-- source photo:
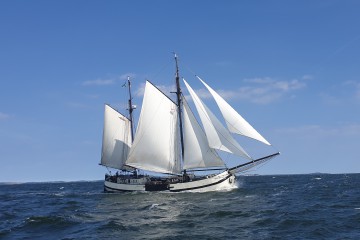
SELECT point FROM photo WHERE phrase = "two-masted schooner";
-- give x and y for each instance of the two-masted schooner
(170, 142)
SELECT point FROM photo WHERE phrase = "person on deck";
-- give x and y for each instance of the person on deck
(186, 177)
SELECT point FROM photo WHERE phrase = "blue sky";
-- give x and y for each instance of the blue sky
(291, 68)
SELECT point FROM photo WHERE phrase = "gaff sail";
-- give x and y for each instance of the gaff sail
(116, 139)
(155, 147)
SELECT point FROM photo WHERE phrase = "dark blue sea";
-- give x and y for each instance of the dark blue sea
(314, 206)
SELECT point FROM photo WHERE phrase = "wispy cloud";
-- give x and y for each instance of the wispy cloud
(126, 75)
(261, 90)
(99, 82)
(4, 116)
(356, 86)
(139, 92)
(346, 129)
(107, 81)
(347, 92)
(270, 84)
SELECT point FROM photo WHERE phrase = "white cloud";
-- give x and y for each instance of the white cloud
(270, 84)
(108, 81)
(330, 99)
(140, 91)
(99, 82)
(345, 93)
(264, 90)
(126, 75)
(4, 116)
(307, 77)
(356, 86)
(347, 129)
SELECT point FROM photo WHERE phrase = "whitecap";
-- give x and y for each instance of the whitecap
(249, 196)
(153, 205)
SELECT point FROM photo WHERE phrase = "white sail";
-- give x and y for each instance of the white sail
(197, 153)
(155, 147)
(116, 139)
(234, 121)
(218, 136)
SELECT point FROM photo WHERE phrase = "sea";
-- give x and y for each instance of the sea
(312, 206)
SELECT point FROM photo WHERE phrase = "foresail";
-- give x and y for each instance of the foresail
(234, 121)
(116, 139)
(197, 153)
(155, 147)
(218, 136)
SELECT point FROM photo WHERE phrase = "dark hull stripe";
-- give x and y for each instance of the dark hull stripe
(117, 190)
(208, 185)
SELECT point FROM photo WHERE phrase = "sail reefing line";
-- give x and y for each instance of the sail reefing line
(234, 121)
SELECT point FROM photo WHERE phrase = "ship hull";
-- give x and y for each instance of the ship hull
(214, 182)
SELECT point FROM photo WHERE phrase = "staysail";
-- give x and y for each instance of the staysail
(116, 139)
(197, 153)
(234, 121)
(155, 147)
(218, 136)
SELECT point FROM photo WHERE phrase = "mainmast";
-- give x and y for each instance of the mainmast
(178, 94)
(130, 109)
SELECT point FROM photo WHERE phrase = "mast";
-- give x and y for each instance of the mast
(131, 109)
(178, 94)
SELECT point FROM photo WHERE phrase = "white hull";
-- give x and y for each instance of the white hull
(215, 182)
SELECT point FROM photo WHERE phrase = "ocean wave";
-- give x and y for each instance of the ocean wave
(290, 207)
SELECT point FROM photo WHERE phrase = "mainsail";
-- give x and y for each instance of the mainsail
(235, 123)
(116, 139)
(197, 153)
(155, 147)
(218, 136)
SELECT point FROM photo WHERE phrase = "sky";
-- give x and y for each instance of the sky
(291, 68)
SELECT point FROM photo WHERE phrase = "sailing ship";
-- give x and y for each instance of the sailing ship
(170, 143)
